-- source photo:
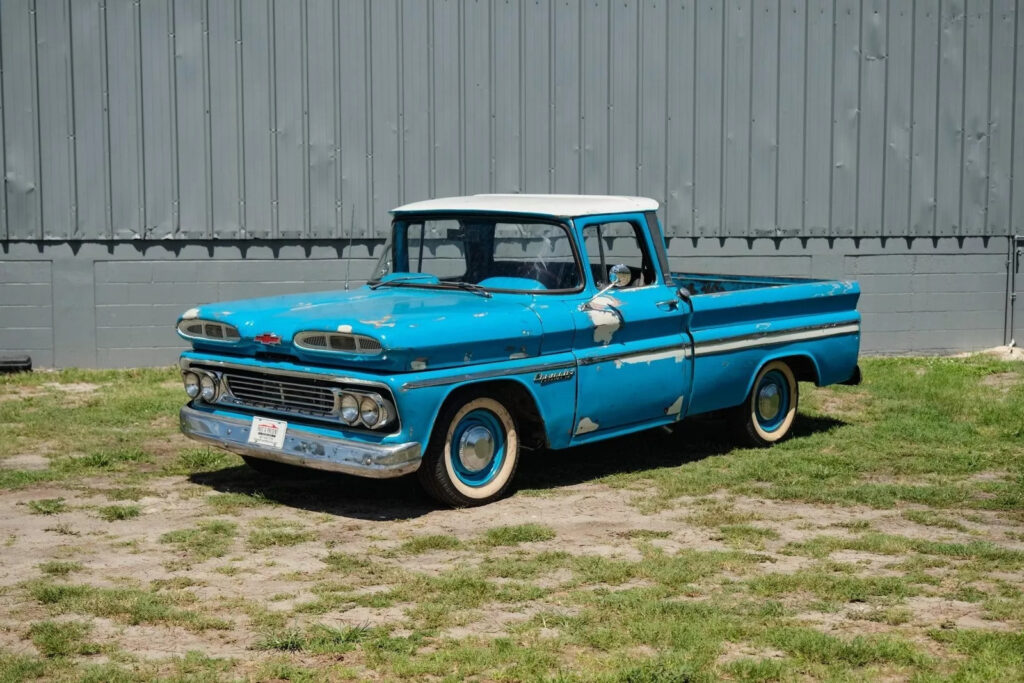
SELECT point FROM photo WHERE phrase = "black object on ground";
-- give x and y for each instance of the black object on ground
(15, 364)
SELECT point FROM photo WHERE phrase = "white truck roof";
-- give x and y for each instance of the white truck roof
(559, 205)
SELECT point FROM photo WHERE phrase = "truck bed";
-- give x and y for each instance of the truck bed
(705, 283)
(739, 322)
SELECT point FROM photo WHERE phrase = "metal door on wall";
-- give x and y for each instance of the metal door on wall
(1017, 291)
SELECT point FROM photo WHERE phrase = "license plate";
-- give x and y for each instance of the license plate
(267, 432)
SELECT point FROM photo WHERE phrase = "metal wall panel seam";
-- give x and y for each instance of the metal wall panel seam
(491, 96)
(521, 94)
(910, 171)
(240, 125)
(140, 119)
(885, 117)
(108, 179)
(693, 132)
(719, 229)
(368, 104)
(551, 96)
(4, 234)
(750, 122)
(935, 149)
(988, 120)
(272, 99)
(581, 145)
(860, 109)
(69, 83)
(963, 124)
(803, 165)
(832, 124)
(399, 88)
(339, 188)
(207, 121)
(34, 66)
(307, 229)
(778, 114)
(431, 103)
(461, 32)
(639, 95)
(172, 84)
(1011, 225)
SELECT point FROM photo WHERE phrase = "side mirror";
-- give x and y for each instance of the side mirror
(684, 294)
(621, 276)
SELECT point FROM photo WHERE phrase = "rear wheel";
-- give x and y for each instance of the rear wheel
(473, 452)
(767, 416)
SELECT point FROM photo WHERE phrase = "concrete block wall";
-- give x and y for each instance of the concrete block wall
(114, 305)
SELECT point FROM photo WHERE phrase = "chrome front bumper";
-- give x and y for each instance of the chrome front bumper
(304, 448)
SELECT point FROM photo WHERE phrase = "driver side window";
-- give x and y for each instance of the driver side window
(608, 244)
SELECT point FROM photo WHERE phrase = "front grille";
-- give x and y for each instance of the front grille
(264, 391)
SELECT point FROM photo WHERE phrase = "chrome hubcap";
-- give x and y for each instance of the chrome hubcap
(769, 401)
(476, 448)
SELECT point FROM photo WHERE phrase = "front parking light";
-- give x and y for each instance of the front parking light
(191, 381)
(208, 388)
(369, 412)
(349, 408)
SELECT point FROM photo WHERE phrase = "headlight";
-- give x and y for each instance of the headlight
(191, 381)
(369, 412)
(208, 388)
(349, 408)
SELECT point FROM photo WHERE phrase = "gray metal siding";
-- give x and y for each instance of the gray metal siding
(309, 119)
(115, 305)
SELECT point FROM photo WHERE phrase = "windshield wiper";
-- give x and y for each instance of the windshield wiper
(418, 280)
(470, 287)
(400, 281)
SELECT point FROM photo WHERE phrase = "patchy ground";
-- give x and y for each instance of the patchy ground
(886, 540)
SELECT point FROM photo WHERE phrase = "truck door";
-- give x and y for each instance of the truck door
(633, 348)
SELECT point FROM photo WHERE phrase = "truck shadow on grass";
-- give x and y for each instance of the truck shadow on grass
(387, 499)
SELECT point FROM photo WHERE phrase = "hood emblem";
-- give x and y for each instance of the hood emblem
(267, 338)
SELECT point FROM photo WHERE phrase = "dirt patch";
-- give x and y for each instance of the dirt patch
(737, 651)
(25, 461)
(844, 403)
(1002, 382)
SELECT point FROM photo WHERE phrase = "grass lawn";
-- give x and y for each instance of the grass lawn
(885, 540)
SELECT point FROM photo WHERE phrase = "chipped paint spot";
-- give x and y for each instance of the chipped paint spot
(585, 426)
(344, 328)
(190, 314)
(676, 407)
(386, 321)
(479, 315)
(468, 357)
(517, 355)
(606, 323)
(419, 364)
(679, 355)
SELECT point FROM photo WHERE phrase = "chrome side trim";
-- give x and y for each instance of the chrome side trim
(646, 355)
(186, 363)
(304, 448)
(486, 374)
(748, 341)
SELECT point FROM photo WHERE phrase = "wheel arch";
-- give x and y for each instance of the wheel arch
(518, 398)
(803, 365)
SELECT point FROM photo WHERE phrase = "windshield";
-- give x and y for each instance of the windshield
(495, 254)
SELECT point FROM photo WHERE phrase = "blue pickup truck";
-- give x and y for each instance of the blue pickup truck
(493, 324)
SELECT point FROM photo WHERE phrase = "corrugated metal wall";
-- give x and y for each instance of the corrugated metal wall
(293, 119)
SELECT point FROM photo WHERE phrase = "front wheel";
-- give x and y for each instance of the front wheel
(767, 415)
(473, 452)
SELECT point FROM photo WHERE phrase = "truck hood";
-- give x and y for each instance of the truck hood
(418, 328)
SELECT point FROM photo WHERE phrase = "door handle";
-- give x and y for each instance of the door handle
(668, 304)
